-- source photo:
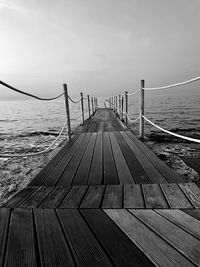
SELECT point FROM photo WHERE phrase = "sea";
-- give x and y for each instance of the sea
(28, 126)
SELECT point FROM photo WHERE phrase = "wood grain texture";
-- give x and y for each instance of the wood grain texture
(20, 248)
(183, 220)
(175, 197)
(110, 172)
(184, 242)
(135, 168)
(93, 197)
(123, 171)
(82, 174)
(54, 198)
(55, 174)
(53, 248)
(67, 176)
(154, 175)
(19, 197)
(194, 213)
(96, 171)
(85, 247)
(150, 243)
(153, 196)
(41, 176)
(37, 197)
(192, 191)
(4, 227)
(169, 174)
(133, 197)
(119, 247)
(113, 196)
(74, 197)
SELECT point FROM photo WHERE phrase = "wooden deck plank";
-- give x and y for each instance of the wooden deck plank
(74, 197)
(133, 197)
(151, 244)
(169, 174)
(53, 177)
(113, 197)
(175, 197)
(19, 197)
(37, 197)
(194, 213)
(123, 171)
(53, 248)
(82, 174)
(54, 198)
(67, 176)
(110, 172)
(185, 243)
(138, 173)
(183, 220)
(41, 176)
(86, 249)
(154, 175)
(4, 226)
(21, 248)
(96, 171)
(192, 191)
(153, 197)
(118, 246)
(93, 197)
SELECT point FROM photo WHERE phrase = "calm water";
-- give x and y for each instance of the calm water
(179, 113)
(176, 112)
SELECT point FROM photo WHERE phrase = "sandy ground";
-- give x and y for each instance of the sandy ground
(16, 173)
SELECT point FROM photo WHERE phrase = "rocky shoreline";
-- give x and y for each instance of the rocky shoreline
(182, 157)
(16, 173)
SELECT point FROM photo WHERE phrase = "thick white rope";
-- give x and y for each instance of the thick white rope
(73, 101)
(134, 92)
(171, 133)
(129, 119)
(36, 153)
(172, 85)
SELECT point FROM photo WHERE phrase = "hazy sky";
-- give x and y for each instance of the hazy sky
(98, 46)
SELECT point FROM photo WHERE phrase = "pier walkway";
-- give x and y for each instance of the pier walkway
(104, 200)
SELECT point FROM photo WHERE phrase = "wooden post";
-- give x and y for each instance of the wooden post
(116, 103)
(119, 106)
(122, 107)
(97, 103)
(82, 106)
(92, 105)
(142, 110)
(88, 97)
(67, 110)
(126, 106)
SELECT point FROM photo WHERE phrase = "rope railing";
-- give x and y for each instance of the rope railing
(28, 94)
(171, 133)
(116, 103)
(67, 99)
(134, 93)
(172, 85)
(129, 119)
(74, 101)
(39, 152)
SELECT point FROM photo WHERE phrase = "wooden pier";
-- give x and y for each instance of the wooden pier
(104, 200)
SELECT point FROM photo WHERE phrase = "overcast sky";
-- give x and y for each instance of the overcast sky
(101, 47)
